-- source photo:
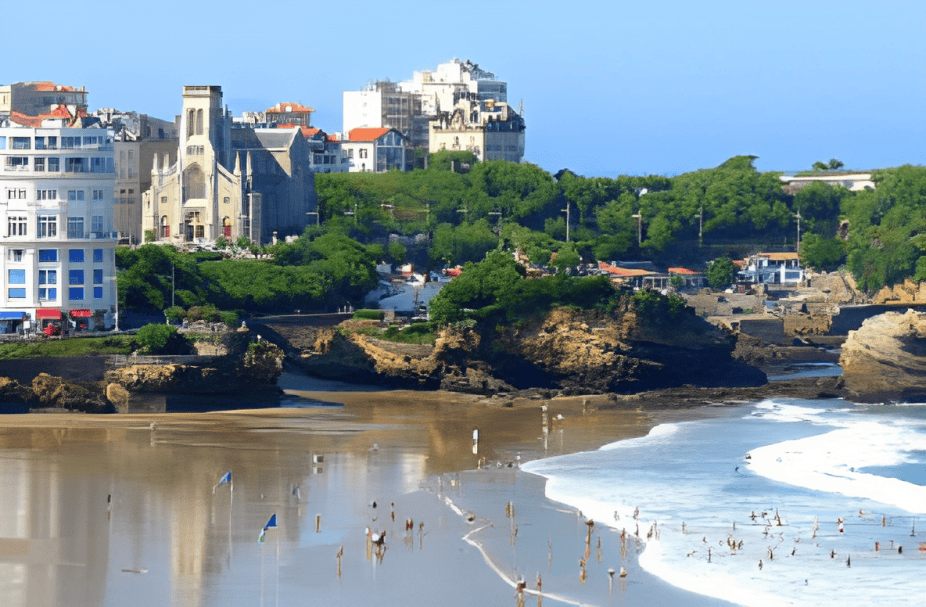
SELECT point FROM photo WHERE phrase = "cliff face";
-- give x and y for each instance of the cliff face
(886, 358)
(569, 351)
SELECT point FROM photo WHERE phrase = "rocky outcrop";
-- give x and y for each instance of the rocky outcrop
(907, 292)
(569, 351)
(838, 288)
(885, 360)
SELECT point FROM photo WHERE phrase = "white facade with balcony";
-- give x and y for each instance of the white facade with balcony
(57, 244)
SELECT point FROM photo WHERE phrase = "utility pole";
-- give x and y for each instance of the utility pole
(566, 210)
(700, 217)
(798, 215)
(173, 285)
(639, 218)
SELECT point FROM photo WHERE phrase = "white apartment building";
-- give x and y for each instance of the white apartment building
(409, 106)
(57, 244)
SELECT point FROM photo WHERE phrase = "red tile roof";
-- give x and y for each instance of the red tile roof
(307, 131)
(48, 85)
(623, 272)
(36, 121)
(780, 256)
(685, 271)
(366, 134)
(290, 108)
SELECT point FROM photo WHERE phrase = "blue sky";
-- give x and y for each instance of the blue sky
(657, 87)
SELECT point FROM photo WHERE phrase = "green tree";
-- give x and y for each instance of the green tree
(566, 257)
(161, 339)
(822, 254)
(720, 272)
(397, 251)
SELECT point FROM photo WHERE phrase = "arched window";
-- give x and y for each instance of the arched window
(165, 229)
(194, 183)
(199, 122)
(189, 122)
(226, 226)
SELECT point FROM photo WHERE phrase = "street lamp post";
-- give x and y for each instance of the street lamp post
(566, 211)
(798, 215)
(639, 218)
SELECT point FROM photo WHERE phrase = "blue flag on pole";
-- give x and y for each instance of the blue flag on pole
(271, 523)
(226, 479)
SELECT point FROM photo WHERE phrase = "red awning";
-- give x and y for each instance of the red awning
(41, 313)
(81, 313)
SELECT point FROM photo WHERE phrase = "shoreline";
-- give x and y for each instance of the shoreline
(405, 450)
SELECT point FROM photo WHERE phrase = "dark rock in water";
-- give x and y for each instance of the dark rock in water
(885, 360)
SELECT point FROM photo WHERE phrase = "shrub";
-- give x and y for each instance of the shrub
(367, 314)
(161, 339)
(230, 318)
(208, 313)
(174, 313)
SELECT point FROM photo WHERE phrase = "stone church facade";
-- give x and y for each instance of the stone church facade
(228, 180)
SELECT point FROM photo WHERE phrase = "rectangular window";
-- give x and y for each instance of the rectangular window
(76, 293)
(17, 163)
(97, 292)
(75, 277)
(48, 226)
(40, 143)
(16, 255)
(53, 143)
(18, 293)
(76, 165)
(2, 143)
(16, 277)
(39, 164)
(97, 255)
(96, 223)
(48, 277)
(48, 255)
(54, 165)
(76, 256)
(98, 276)
(97, 195)
(16, 225)
(22, 143)
(48, 293)
(76, 228)
(76, 195)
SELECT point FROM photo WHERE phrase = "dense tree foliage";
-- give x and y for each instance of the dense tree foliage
(325, 271)
(720, 272)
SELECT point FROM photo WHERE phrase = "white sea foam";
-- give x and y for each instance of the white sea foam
(830, 462)
(692, 476)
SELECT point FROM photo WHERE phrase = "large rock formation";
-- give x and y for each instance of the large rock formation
(907, 292)
(566, 350)
(885, 360)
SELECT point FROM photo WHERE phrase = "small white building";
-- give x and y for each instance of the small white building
(773, 269)
(375, 150)
(57, 243)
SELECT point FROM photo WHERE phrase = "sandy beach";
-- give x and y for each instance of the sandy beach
(108, 510)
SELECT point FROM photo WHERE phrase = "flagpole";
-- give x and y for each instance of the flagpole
(231, 506)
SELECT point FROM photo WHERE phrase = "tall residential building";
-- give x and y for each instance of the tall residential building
(57, 248)
(410, 105)
(228, 182)
(41, 99)
(138, 139)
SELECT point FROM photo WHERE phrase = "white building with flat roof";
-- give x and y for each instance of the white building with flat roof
(57, 243)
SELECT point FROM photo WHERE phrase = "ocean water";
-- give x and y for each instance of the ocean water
(747, 507)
